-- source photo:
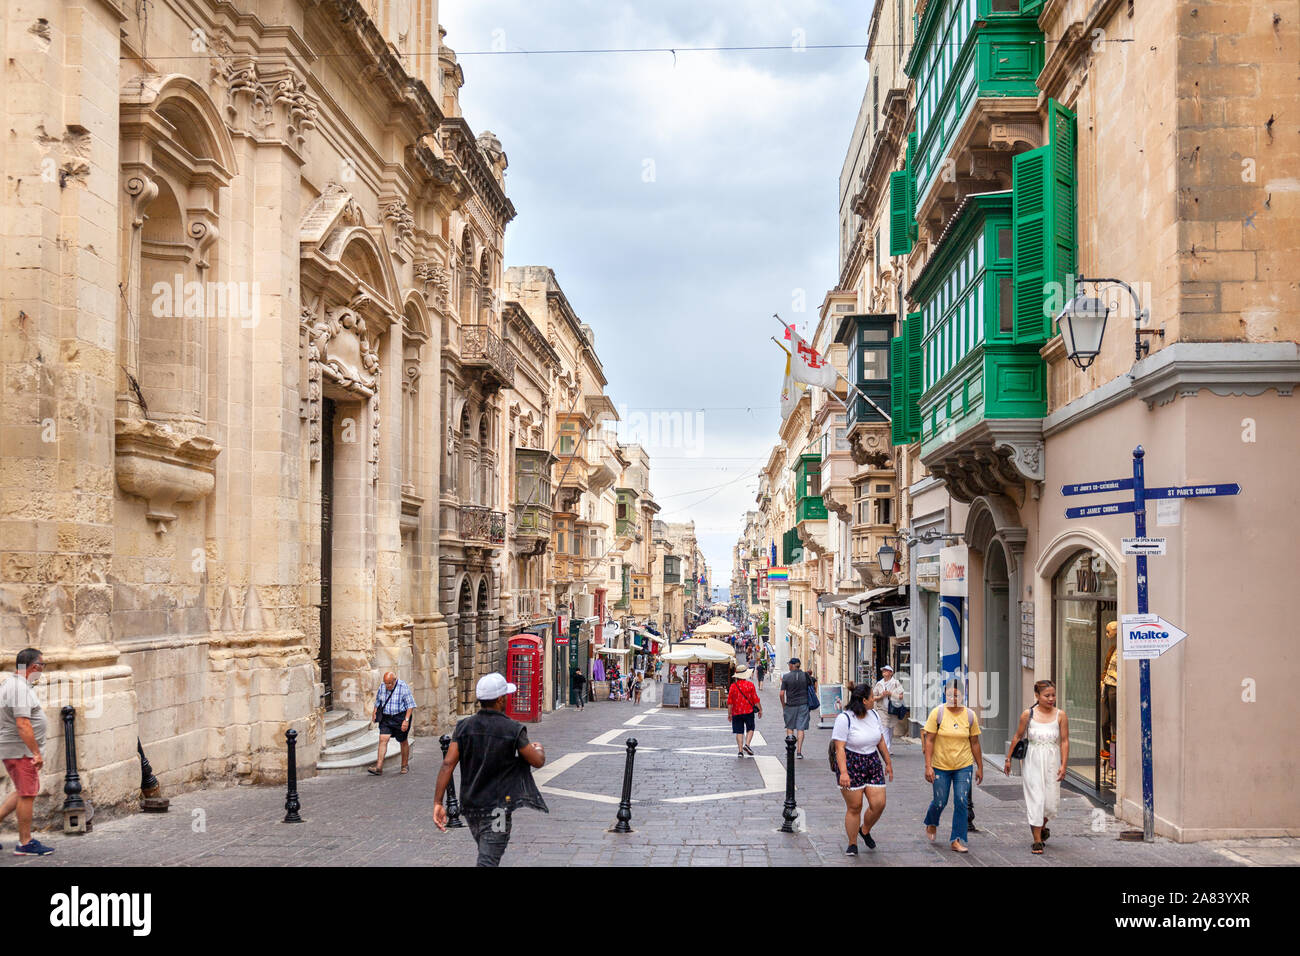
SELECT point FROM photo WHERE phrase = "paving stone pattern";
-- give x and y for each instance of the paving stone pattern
(363, 820)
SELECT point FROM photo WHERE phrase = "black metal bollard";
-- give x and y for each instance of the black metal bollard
(625, 804)
(148, 782)
(790, 812)
(291, 805)
(452, 804)
(74, 807)
(150, 801)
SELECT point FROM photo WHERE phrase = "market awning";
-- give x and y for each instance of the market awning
(693, 653)
(712, 644)
(605, 649)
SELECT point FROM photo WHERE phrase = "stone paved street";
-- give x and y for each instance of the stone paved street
(695, 804)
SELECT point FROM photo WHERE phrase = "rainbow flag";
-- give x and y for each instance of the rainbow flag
(778, 574)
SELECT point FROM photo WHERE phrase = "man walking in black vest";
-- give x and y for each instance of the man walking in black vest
(496, 763)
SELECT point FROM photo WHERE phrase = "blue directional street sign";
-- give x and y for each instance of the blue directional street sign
(1194, 491)
(1092, 511)
(1090, 487)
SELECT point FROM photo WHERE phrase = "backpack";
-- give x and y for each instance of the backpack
(813, 702)
(830, 750)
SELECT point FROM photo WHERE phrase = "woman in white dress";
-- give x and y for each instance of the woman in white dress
(1043, 768)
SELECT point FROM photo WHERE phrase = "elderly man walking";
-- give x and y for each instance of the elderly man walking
(394, 705)
(22, 735)
(887, 692)
(794, 703)
(497, 761)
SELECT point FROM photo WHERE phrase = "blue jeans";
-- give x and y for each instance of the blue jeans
(959, 782)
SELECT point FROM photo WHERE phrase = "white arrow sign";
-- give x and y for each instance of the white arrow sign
(1147, 636)
(1143, 545)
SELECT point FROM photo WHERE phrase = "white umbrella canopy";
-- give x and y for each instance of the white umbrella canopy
(716, 626)
(692, 654)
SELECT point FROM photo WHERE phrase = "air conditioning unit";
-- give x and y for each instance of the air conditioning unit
(584, 605)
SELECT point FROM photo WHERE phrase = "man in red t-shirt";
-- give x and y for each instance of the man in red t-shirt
(742, 704)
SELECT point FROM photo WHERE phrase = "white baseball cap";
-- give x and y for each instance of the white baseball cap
(493, 686)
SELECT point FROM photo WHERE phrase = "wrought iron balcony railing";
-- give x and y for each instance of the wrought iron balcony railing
(482, 524)
(482, 348)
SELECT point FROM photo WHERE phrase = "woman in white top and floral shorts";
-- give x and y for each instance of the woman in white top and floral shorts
(861, 762)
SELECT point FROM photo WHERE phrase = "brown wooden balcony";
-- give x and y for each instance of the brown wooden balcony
(482, 525)
(482, 349)
(532, 533)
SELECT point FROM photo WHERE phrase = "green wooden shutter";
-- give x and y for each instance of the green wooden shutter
(1063, 206)
(1029, 178)
(897, 392)
(1031, 6)
(912, 230)
(912, 336)
(900, 232)
(1043, 211)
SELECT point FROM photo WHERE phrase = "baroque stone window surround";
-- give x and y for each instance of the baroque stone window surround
(174, 143)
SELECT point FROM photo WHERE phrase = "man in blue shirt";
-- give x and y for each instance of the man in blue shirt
(394, 705)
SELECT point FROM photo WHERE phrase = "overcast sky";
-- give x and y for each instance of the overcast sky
(680, 205)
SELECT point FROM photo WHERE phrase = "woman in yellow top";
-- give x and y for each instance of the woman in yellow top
(952, 752)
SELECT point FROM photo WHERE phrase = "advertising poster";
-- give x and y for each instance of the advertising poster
(832, 700)
(696, 681)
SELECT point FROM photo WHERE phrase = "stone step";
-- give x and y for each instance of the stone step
(335, 717)
(352, 758)
(348, 730)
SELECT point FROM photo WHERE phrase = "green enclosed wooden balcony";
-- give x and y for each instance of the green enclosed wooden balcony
(982, 393)
(975, 63)
(808, 489)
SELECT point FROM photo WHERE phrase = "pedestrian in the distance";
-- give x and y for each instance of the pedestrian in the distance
(496, 771)
(888, 696)
(634, 688)
(1045, 761)
(794, 704)
(861, 764)
(394, 705)
(762, 669)
(578, 684)
(952, 755)
(742, 704)
(22, 735)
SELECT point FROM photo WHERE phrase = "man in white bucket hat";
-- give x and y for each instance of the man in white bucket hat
(496, 763)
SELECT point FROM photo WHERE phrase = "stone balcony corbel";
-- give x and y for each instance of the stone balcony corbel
(164, 466)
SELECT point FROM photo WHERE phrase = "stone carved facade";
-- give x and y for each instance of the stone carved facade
(237, 523)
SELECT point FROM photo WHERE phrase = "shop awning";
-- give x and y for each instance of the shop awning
(712, 644)
(839, 600)
(605, 649)
(856, 602)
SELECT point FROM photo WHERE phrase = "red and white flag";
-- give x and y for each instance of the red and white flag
(808, 367)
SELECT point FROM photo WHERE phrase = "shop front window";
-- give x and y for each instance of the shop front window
(1084, 596)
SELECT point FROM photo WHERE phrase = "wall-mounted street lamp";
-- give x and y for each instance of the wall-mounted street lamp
(888, 554)
(1083, 323)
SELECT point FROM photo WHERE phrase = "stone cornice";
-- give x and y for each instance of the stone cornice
(885, 151)
(458, 139)
(1185, 368)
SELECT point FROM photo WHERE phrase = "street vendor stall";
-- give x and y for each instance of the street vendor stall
(707, 664)
(608, 666)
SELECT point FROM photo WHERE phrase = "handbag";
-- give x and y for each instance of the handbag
(1022, 745)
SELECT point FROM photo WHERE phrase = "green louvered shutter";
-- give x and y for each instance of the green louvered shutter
(912, 335)
(912, 230)
(1030, 174)
(900, 234)
(1063, 200)
(1031, 6)
(897, 392)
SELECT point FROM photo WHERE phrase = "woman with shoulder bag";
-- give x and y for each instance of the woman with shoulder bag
(1045, 731)
(952, 755)
(859, 758)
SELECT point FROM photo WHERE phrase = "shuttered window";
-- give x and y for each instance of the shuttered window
(1043, 209)
(900, 231)
(898, 434)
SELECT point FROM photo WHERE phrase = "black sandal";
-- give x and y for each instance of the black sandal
(374, 772)
(1046, 834)
(1037, 848)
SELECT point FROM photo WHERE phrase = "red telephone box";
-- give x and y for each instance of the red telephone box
(524, 670)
